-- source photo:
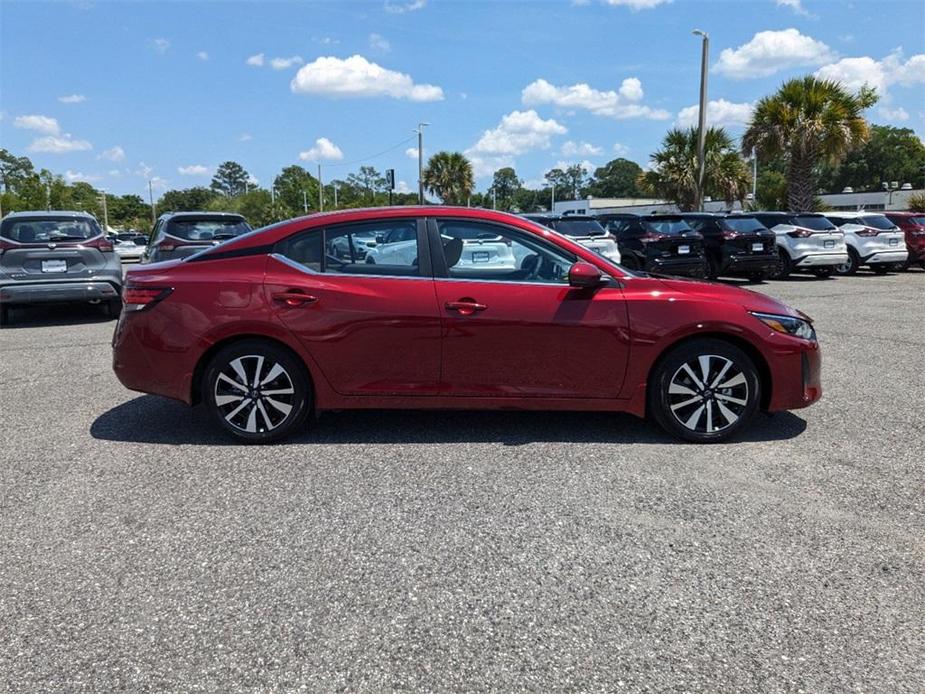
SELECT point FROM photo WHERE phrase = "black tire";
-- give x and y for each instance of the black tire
(257, 414)
(114, 308)
(757, 277)
(6, 314)
(629, 262)
(784, 265)
(370, 261)
(851, 267)
(823, 272)
(712, 268)
(666, 392)
(881, 269)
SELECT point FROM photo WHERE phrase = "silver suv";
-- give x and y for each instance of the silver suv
(57, 257)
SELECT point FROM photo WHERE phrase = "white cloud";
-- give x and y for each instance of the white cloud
(580, 149)
(324, 149)
(411, 152)
(378, 42)
(161, 45)
(769, 52)
(622, 104)
(620, 149)
(402, 187)
(326, 41)
(586, 166)
(637, 5)
(854, 73)
(202, 55)
(255, 60)
(40, 124)
(357, 77)
(894, 114)
(253, 180)
(517, 133)
(193, 170)
(72, 99)
(720, 113)
(286, 63)
(114, 154)
(245, 137)
(796, 6)
(402, 7)
(75, 176)
(54, 144)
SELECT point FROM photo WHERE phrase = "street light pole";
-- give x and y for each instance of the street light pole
(420, 132)
(755, 176)
(151, 200)
(305, 201)
(320, 191)
(334, 185)
(552, 200)
(105, 214)
(701, 129)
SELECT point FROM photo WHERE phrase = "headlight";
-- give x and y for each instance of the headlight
(797, 327)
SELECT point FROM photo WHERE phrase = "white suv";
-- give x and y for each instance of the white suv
(805, 241)
(872, 239)
(478, 251)
(584, 230)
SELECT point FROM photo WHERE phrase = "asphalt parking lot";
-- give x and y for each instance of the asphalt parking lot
(448, 551)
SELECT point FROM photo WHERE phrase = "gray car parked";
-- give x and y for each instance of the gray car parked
(57, 257)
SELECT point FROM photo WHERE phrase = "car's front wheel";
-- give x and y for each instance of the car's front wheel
(257, 391)
(704, 391)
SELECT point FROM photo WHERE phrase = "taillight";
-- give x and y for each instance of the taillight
(867, 231)
(799, 233)
(6, 246)
(730, 235)
(651, 236)
(139, 298)
(101, 243)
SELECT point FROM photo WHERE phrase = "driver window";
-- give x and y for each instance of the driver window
(480, 251)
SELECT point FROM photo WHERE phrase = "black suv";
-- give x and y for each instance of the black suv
(735, 245)
(181, 234)
(57, 257)
(662, 243)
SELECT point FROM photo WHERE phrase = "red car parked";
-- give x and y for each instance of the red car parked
(271, 325)
(913, 224)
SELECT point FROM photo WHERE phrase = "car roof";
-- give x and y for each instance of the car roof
(202, 215)
(46, 214)
(856, 214)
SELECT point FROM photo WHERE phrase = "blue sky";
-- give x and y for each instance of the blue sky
(114, 92)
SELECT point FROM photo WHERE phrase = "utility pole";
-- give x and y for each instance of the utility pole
(305, 201)
(48, 197)
(701, 130)
(420, 132)
(552, 202)
(151, 200)
(105, 214)
(494, 198)
(334, 185)
(755, 177)
(320, 191)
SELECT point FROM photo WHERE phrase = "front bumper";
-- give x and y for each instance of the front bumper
(805, 361)
(72, 291)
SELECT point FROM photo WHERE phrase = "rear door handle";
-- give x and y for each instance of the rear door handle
(295, 299)
(465, 307)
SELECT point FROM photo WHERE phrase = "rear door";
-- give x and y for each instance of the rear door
(525, 332)
(372, 328)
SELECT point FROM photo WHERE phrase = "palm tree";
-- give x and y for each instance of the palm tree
(449, 176)
(673, 175)
(808, 122)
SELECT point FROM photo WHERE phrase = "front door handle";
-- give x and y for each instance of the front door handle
(466, 307)
(295, 299)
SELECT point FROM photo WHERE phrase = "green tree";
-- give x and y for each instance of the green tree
(891, 154)
(294, 187)
(449, 176)
(615, 179)
(129, 211)
(230, 179)
(186, 200)
(808, 122)
(504, 186)
(674, 171)
(14, 170)
(368, 180)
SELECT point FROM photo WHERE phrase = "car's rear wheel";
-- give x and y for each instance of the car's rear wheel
(850, 267)
(757, 277)
(257, 391)
(784, 266)
(822, 272)
(114, 308)
(6, 313)
(882, 268)
(704, 391)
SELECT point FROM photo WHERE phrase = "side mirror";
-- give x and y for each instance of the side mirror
(584, 275)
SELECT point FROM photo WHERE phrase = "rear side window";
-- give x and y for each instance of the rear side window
(743, 224)
(48, 230)
(579, 227)
(206, 229)
(667, 225)
(877, 221)
(813, 222)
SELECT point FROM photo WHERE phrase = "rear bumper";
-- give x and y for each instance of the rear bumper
(885, 257)
(821, 259)
(693, 266)
(750, 263)
(72, 291)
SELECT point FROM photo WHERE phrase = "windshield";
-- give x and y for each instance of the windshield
(579, 227)
(48, 230)
(206, 229)
(819, 223)
(668, 225)
(877, 221)
(743, 224)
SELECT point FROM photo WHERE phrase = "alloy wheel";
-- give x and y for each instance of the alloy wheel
(254, 394)
(708, 393)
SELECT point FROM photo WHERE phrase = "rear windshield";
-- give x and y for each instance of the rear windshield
(743, 224)
(48, 230)
(668, 225)
(815, 223)
(579, 227)
(877, 221)
(206, 229)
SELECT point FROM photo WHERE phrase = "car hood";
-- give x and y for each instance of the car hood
(716, 291)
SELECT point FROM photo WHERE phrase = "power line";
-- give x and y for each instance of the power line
(371, 156)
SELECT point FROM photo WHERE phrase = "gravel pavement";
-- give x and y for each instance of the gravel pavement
(467, 551)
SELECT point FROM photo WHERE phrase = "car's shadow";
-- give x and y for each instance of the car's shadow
(55, 315)
(151, 419)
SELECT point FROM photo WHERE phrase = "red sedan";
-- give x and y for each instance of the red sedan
(446, 307)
